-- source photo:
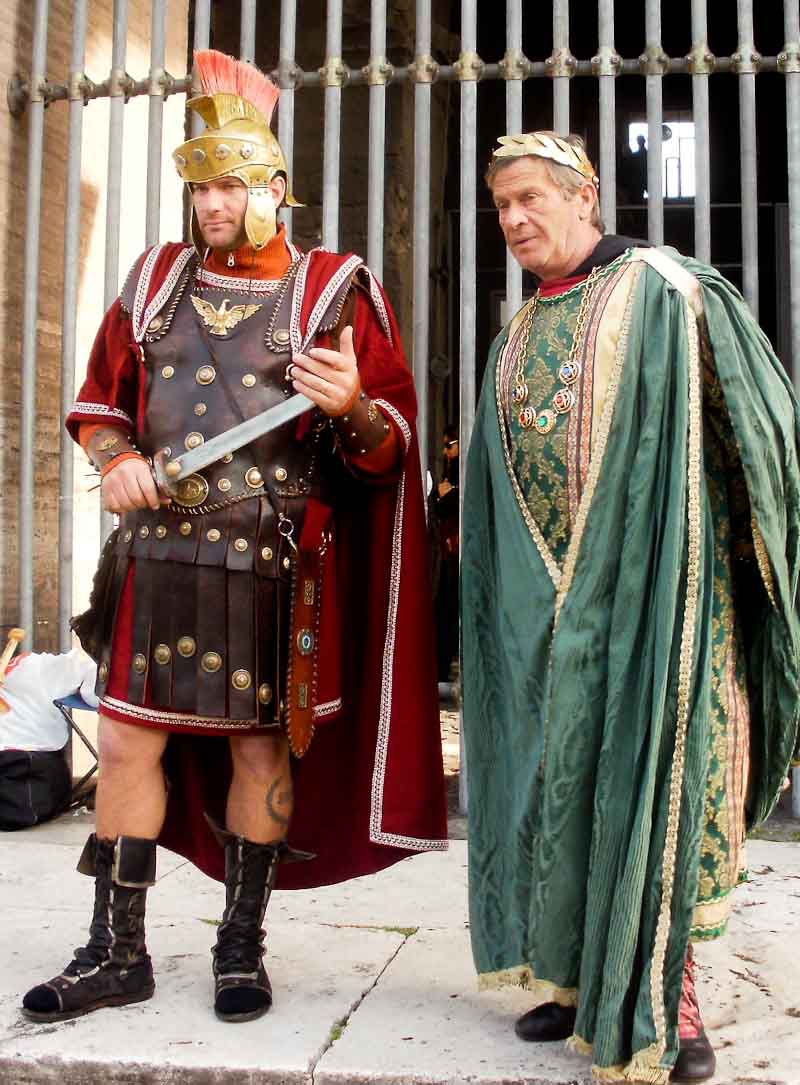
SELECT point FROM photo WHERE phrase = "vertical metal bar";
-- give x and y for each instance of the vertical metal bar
(513, 125)
(202, 37)
(247, 31)
(607, 92)
(286, 105)
(377, 138)
(422, 211)
(116, 124)
(468, 261)
(561, 81)
(792, 76)
(30, 306)
(72, 231)
(655, 120)
(702, 153)
(333, 125)
(747, 137)
(155, 126)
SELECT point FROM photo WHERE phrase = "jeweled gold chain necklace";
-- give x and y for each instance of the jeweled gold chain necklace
(564, 399)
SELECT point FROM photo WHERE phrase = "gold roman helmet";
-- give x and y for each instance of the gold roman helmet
(237, 107)
(548, 145)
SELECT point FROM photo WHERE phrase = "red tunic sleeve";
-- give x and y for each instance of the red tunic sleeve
(110, 393)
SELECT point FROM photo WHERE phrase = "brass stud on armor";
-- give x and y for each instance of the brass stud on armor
(187, 646)
(281, 337)
(240, 545)
(180, 161)
(200, 408)
(227, 458)
(155, 324)
(161, 532)
(128, 535)
(167, 451)
(253, 478)
(206, 374)
(102, 672)
(167, 372)
(281, 474)
(241, 680)
(199, 155)
(249, 380)
(265, 693)
(222, 151)
(162, 654)
(144, 531)
(247, 150)
(211, 662)
(185, 528)
(224, 484)
(266, 553)
(194, 440)
(213, 534)
(139, 663)
(287, 564)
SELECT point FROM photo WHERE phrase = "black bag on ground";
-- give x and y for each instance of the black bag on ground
(35, 785)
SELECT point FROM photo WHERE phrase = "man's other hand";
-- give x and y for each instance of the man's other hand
(130, 485)
(328, 377)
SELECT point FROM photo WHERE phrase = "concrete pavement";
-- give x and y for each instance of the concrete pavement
(373, 981)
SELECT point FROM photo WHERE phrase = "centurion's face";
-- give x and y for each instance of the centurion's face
(540, 226)
(220, 207)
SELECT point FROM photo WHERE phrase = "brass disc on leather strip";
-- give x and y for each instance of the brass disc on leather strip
(227, 458)
(253, 478)
(213, 534)
(281, 474)
(185, 528)
(144, 531)
(155, 324)
(200, 408)
(187, 646)
(266, 553)
(128, 535)
(265, 693)
(211, 662)
(139, 663)
(224, 485)
(194, 440)
(249, 380)
(206, 374)
(191, 491)
(241, 680)
(168, 372)
(240, 545)
(160, 532)
(162, 653)
(281, 337)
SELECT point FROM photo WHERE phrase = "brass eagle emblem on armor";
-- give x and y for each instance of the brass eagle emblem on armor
(220, 321)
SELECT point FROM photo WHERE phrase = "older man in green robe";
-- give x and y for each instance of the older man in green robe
(631, 551)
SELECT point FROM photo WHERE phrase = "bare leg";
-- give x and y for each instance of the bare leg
(131, 793)
(260, 799)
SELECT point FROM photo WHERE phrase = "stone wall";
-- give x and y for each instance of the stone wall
(15, 58)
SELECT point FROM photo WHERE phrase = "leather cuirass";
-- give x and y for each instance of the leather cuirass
(216, 355)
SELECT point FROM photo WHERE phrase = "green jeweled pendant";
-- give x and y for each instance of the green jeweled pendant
(545, 420)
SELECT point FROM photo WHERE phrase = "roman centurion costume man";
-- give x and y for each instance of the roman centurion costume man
(633, 480)
(282, 587)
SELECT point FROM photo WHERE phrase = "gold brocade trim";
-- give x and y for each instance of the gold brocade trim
(598, 453)
(712, 913)
(530, 523)
(522, 976)
(762, 557)
(578, 1045)
(694, 529)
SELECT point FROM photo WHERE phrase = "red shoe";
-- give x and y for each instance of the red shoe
(696, 1060)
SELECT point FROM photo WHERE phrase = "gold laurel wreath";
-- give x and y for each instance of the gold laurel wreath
(552, 147)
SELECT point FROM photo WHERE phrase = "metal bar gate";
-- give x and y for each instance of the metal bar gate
(334, 77)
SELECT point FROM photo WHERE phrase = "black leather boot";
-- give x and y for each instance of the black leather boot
(242, 990)
(546, 1023)
(113, 968)
(696, 1060)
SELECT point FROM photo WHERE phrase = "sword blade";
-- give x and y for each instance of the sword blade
(238, 436)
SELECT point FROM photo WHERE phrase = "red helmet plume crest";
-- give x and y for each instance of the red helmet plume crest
(222, 74)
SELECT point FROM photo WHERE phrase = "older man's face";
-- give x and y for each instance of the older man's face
(543, 230)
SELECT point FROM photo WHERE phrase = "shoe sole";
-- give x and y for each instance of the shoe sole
(70, 1015)
(238, 1018)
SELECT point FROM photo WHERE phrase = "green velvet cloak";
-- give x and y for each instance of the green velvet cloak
(586, 689)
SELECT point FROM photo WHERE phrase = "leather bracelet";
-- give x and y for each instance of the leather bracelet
(115, 461)
(108, 444)
(363, 428)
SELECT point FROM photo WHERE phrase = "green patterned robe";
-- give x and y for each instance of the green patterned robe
(630, 644)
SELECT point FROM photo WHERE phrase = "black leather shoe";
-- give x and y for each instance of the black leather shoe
(546, 1023)
(696, 1061)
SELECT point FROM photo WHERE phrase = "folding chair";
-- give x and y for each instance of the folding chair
(66, 705)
